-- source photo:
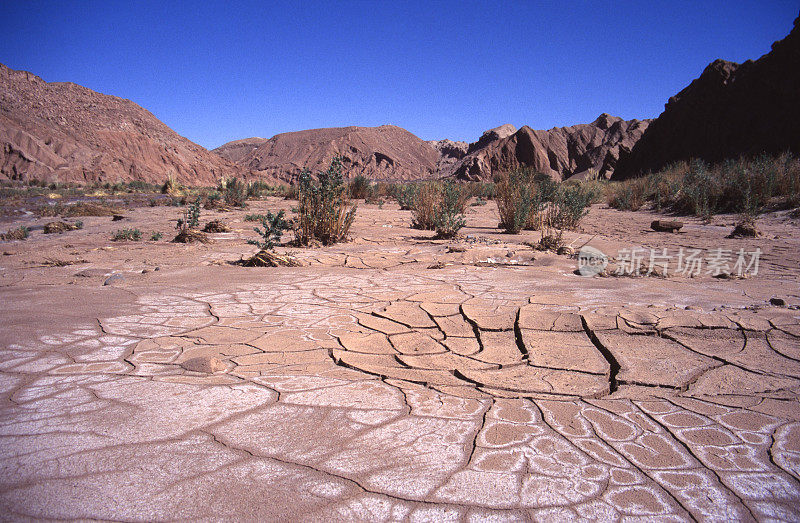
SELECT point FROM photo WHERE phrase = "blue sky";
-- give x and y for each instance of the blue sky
(219, 71)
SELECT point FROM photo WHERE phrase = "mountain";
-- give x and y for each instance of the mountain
(731, 110)
(66, 132)
(561, 152)
(450, 153)
(379, 153)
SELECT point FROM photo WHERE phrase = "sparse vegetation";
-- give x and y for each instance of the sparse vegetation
(360, 187)
(234, 192)
(274, 225)
(747, 186)
(254, 217)
(439, 206)
(516, 199)
(449, 217)
(127, 235)
(406, 195)
(325, 214)
(20, 233)
(156, 236)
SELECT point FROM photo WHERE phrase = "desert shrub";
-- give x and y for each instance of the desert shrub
(325, 214)
(570, 204)
(484, 190)
(424, 205)
(628, 196)
(289, 192)
(123, 235)
(259, 189)
(192, 215)
(440, 207)
(360, 187)
(449, 216)
(20, 233)
(171, 185)
(700, 191)
(156, 236)
(406, 195)
(274, 227)
(254, 217)
(516, 197)
(235, 192)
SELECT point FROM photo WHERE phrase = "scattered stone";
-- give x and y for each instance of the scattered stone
(666, 225)
(565, 250)
(777, 302)
(117, 218)
(114, 278)
(204, 364)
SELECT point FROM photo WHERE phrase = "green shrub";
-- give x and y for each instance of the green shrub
(274, 227)
(235, 192)
(254, 217)
(439, 206)
(516, 197)
(449, 216)
(192, 215)
(156, 236)
(122, 235)
(325, 214)
(360, 187)
(570, 205)
(406, 195)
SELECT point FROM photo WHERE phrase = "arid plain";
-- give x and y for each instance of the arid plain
(395, 375)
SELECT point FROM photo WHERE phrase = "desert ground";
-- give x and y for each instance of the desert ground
(396, 376)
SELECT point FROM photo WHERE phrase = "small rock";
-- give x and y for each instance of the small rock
(205, 364)
(114, 278)
(565, 250)
(778, 302)
(117, 217)
(666, 225)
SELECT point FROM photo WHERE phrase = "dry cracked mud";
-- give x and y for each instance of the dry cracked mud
(366, 386)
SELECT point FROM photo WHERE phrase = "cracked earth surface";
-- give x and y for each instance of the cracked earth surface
(364, 393)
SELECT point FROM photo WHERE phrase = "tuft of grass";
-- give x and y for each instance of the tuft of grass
(156, 236)
(254, 217)
(127, 235)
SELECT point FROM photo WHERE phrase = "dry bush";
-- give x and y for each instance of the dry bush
(437, 203)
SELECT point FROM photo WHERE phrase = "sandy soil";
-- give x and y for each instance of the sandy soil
(397, 376)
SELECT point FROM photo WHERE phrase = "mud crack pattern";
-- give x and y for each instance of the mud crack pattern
(392, 396)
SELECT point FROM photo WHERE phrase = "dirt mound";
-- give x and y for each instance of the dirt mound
(561, 152)
(729, 111)
(66, 132)
(379, 153)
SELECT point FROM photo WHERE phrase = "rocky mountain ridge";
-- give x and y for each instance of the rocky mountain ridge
(63, 131)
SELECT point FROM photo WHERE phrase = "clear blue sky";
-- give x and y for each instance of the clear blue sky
(219, 71)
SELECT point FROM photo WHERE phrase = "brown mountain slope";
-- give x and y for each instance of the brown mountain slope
(560, 152)
(729, 111)
(62, 131)
(379, 153)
